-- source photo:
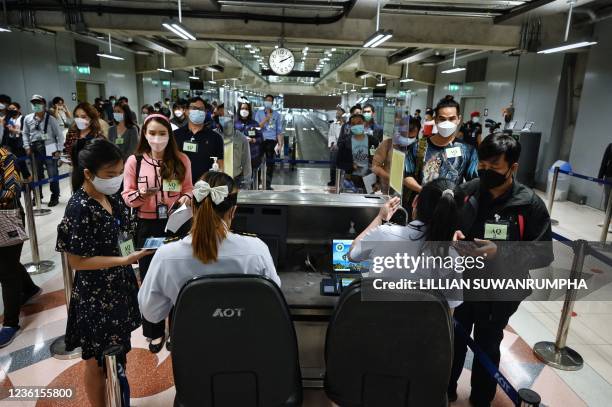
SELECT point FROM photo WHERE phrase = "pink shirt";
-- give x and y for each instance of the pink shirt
(149, 177)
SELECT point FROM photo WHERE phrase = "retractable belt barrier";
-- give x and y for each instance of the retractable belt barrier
(522, 397)
(607, 211)
(280, 160)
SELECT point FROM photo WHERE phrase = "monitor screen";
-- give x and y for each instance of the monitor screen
(341, 263)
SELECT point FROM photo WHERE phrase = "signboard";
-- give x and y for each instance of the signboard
(83, 70)
(388, 121)
(396, 175)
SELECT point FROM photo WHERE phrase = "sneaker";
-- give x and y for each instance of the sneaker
(7, 334)
(331, 184)
(269, 188)
(26, 298)
(53, 202)
(168, 345)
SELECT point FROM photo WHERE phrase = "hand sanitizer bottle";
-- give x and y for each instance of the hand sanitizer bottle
(215, 166)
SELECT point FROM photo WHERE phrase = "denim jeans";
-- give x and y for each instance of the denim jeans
(38, 150)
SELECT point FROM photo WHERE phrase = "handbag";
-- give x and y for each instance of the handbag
(12, 231)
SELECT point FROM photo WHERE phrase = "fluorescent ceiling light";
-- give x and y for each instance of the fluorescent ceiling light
(453, 70)
(404, 80)
(566, 47)
(364, 88)
(110, 56)
(248, 46)
(381, 84)
(179, 29)
(378, 38)
(164, 70)
(5, 29)
(333, 50)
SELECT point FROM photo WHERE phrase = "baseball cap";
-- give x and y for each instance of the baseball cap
(37, 98)
(474, 114)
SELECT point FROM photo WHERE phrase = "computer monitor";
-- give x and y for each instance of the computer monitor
(340, 261)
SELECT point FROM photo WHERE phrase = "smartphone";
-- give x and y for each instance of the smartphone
(153, 243)
(152, 190)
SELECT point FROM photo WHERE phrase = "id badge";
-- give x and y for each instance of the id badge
(251, 133)
(119, 140)
(496, 231)
(190, 147)
(453, 152)
(171, 185)
(162, 211)
(372, 150)
(126, 245)
(44, 137)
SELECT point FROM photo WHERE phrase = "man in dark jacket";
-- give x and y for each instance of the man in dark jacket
(499, 215)
(355, 153)
(605, 172)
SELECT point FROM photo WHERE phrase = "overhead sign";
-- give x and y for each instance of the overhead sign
(83, 70)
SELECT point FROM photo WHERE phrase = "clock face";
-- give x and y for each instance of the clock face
(282, 61)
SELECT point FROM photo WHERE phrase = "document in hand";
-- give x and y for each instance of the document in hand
(178, 218)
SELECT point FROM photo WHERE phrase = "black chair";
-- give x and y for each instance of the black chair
(391, 353)
(233, 344)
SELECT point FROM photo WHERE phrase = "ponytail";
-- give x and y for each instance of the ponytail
(208, 229)
(439, 206)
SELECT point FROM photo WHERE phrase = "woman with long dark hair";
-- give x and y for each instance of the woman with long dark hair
(250, 128)
(96, 235)
(157, 177)
(436, 214)
(85, 125)
(124, 132)
(210, 248)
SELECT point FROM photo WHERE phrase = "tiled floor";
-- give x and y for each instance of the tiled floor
(27, 361)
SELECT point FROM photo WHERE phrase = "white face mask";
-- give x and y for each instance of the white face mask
(475, 119)
(178, 114)
(2, 106)
(446, 128)
(109, 186)
(405, 141)
(81, 124)
(244, 113)
(158, 143)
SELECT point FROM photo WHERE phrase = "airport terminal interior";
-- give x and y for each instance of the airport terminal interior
(298, 100)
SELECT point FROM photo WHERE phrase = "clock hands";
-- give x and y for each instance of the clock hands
(283, 60)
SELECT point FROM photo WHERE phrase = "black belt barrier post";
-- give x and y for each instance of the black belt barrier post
(39, 211)
(606, 225)
(37, 266)
(58, 347)
(551, 196)
(528, 398)
(557, 354)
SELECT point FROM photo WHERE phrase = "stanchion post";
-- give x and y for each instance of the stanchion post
(113, 387)
(606, 224)
(551, 195)
(557, 354)
(256, 178)
(529, 398)
(36, 266)
(58, 347)
(264, 172)
(39, 211)
(338, 180)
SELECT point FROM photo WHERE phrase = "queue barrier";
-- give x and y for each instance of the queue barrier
(115, 394)
(551, 198)
(520, 398)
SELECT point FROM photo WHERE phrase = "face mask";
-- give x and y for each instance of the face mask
(357, 129)
(197, 116)
(112, 101)
(81, 124)
(446, 129)
(158, 143)
(490, 179)
(367, 116)
(38, 108)
(2, 106)
(178, 114)
(267, 104)
(108, 186)
(144, 115)
(244, 113)
(224, 120)
(475, 119)
(405, 141)
(118, 117)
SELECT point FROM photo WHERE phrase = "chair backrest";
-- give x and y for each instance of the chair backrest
(391, 353)
(234, 344)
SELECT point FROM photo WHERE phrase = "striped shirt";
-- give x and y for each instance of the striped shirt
(9, 178)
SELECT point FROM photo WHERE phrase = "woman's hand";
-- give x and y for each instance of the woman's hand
(134, 257)
(486, 248)
(389, 208)
(458, 236)
(145, 193)
(185, 200)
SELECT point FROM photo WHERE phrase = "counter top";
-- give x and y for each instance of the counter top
(310, 199)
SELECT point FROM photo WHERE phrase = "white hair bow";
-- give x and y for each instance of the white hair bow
(202, 189)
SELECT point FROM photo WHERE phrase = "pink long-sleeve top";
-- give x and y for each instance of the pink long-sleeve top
(149, 177)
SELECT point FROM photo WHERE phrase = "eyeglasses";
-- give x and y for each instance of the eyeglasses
(193, 107)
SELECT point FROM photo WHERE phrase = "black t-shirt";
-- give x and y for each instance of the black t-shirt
(209, 144)
(470, 133)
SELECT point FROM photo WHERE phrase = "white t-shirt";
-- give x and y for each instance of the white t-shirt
(174, 264)
(372, 245)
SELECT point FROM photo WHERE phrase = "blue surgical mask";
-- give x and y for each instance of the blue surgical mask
(197, 116)
(224, 120)
(405, 141)
(267, 104)
(37, 108)
(367, 116)
(357, 129)
(118, 117)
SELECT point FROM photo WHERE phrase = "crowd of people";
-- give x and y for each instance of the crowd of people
(128, 178)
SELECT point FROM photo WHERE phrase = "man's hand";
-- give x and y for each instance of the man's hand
(28, 151)
(486, 248)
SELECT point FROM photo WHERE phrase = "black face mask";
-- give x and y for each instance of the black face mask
(490, 179)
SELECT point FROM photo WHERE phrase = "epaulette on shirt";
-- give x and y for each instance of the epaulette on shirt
(244, 234)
